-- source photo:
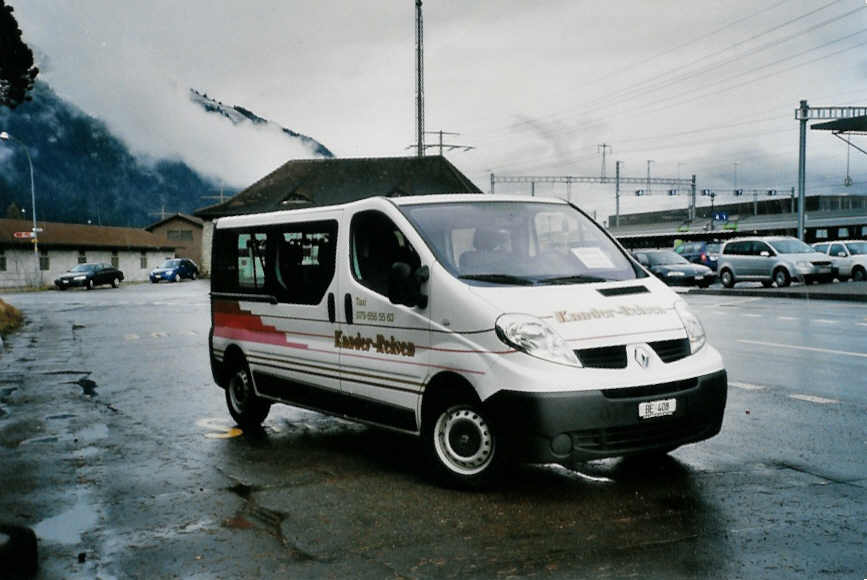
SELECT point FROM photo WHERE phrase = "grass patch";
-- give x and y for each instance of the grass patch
(10, 318)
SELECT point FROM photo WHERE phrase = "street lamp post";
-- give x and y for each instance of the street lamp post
(4, 136)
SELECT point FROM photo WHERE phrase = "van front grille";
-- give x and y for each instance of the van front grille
(619, 439)
(671, 350)
(605, 357)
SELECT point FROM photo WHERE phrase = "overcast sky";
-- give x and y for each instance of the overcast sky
(706, 87)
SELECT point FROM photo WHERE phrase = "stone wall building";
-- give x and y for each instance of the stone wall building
(61, 246)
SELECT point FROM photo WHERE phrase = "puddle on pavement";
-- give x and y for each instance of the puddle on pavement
(61, 416)
(88, 387)
(67, 527)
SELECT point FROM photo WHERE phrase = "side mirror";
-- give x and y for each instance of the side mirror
(764, 254)
(404, 285)
(841, 254)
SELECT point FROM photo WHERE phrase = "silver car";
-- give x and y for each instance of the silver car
(772, 260)
(849, 257)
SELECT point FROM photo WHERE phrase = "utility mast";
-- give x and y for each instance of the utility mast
(603, 147)
(419, 79)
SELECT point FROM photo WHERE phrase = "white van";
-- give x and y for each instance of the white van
(496, 328)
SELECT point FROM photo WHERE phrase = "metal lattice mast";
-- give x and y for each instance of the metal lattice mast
(419, 78)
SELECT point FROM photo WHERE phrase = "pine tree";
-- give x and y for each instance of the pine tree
(17, 72)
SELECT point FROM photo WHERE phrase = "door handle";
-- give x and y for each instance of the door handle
(332, 308)
(347, 307)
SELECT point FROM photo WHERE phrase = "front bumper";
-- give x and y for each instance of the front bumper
(564, 427)
(157, 276)
(69, 282)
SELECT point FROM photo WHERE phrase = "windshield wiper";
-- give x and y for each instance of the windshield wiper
(576, 279)
(498, 279)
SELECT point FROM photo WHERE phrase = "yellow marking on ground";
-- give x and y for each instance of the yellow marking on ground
(219, 428)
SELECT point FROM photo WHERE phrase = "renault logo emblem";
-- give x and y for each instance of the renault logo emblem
(642, 357)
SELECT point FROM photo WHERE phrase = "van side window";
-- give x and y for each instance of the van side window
(304, 257)
(252, 249)
(375, 244)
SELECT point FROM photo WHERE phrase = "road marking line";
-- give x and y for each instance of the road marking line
(131, 337)
(814, 399)
(749, 315)
(810, 348)
(861, 323)
(159, 334)
(787, 318)
(824, 321)
(747, 386)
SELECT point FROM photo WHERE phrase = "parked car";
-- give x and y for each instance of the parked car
(90, 275)
(704, 253)
(849, 257)
(772, 260)
(174, 270)
(674, 269)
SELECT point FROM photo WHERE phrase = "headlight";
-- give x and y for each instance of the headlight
(804, 266)
(535, 337)
(694, 329)
(80, 278)
(674, 274)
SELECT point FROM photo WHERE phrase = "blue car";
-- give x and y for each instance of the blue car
(175, 270)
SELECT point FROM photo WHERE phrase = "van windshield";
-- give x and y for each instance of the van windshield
(519, 243)
(792, 246)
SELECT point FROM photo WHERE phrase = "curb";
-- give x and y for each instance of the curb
(859, 297)
(18, 552)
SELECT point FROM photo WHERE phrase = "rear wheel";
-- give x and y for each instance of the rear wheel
(727, 278)
(859, 274)
(781, 278)
(193, 276)
(89, 284)
(244, 405)
(462, 444)
(115, 282)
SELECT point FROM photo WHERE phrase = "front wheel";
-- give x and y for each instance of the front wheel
(177, 278)
(727, 278)
(244, 405)
(462, 445)
(193, 276)
(115, 283)
(781, 277)
(89, 284)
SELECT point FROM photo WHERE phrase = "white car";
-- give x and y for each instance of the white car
(848, 256)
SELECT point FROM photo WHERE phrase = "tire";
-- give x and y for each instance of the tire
(154, 281)
(115, 283)
(19, 554)
(782, 278)
(859, 274)
(89, 284)
(62, 288)
(726, 278)
(703, 284)
(462, 445)
(177, 278)
(193, 276)
(767, 283)
(247, 409)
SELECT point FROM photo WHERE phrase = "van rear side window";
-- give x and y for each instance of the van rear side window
(292, 262)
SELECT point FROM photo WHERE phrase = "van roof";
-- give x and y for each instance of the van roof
(311, 212)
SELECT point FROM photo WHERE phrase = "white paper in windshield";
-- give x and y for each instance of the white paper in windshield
(594, 258)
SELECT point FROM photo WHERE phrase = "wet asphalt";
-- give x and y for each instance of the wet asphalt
(117, 450)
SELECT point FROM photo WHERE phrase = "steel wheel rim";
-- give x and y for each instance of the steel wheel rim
(780, 278)
(463, 441)
(240, 391)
